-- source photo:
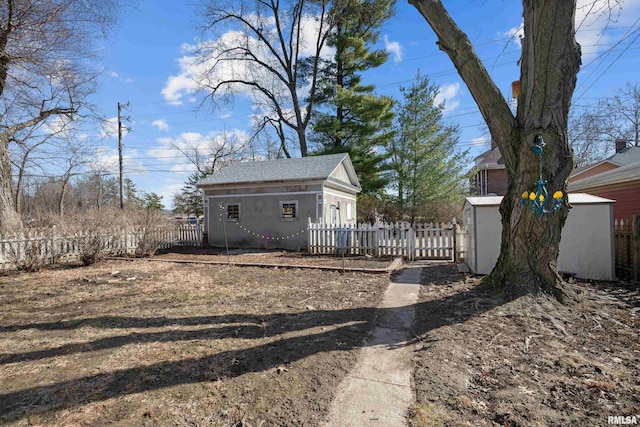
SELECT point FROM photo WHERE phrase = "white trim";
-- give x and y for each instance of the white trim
(263, 194)
(289, 202)
(226, 210)
(346, 196)
(339, 186)
(349, 169)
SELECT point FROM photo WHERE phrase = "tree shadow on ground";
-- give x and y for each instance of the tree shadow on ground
(344, 330)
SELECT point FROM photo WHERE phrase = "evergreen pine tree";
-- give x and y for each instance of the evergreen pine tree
(131, 193)
(153, 201)
(426, 164)
(350, 117)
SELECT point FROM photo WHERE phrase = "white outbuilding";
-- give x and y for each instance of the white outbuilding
(586, 245)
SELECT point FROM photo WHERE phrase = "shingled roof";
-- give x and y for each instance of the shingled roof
(626, 173)
(297, 169)
(626, 156)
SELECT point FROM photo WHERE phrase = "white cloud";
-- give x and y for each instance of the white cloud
(107, 159)
(393, 48)
(58, 125)
(161, 124)
(167, 191)
(112, 74)
(183, 167)
(515, 34)
(481, 141)
(593, 19)
(447, 94)
(110, 128)
(171, 150)
(205, 64)
(178, 85)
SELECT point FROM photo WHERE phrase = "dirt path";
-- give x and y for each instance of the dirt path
(378, 391)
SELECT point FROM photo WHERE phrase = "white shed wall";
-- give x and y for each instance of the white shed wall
(488, 237)
(586, 246)
(469, 243)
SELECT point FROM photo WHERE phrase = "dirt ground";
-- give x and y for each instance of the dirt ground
(271, 257)
(138, 343)
(480, 361)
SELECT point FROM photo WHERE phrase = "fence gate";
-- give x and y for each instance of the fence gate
(428, 241)
(437, 241)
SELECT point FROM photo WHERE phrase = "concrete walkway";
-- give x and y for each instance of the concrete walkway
(377, 392)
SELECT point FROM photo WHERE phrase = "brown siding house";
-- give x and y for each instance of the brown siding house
(621, 184)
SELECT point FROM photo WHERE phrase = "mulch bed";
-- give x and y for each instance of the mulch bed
(272, 257)
(529, 362)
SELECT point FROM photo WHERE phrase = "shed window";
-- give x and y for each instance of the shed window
(349, 212)
(233, 212)
(289, 209)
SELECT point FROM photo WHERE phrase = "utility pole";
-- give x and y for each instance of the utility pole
(120, 151)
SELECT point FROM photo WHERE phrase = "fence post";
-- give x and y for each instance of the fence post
(454, 232)
(378, 237)
(412, 242)
(636, 249)
(309, 236)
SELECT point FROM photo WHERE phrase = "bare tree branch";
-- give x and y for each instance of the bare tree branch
(455, 43)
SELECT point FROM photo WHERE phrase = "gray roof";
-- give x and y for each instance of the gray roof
(297, 169)
(623, 174)
(626, 156)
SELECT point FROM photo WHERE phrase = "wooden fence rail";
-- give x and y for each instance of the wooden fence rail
(429, 241)
(626, 235)
(48, 244)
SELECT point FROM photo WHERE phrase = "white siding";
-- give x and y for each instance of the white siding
(586, 246)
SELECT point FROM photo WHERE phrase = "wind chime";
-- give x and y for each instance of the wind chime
(538, 200)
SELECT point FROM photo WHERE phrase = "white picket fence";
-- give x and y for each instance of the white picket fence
(424, 241)
(57, 247)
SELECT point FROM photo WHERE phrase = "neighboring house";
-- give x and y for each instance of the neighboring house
(491, 176)
(268, 203)
(616, 178)
(621, 184)
(624, 156)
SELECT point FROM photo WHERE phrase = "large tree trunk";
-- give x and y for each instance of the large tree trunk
(549, 65)
(9, 219)
(527, 263)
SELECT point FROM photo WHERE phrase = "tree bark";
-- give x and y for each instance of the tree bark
(550, 61)
(9, 219)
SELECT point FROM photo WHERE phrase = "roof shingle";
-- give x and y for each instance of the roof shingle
(626, 156)
(296, 169)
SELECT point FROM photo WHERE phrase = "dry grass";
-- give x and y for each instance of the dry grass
(148, 343)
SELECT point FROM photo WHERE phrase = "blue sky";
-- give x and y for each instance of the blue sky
(145, 66)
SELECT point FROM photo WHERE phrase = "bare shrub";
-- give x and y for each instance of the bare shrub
(152, 230)
(33, 247)
(29, 250)
(96, 234)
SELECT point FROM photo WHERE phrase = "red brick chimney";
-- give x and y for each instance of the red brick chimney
(621, 144)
